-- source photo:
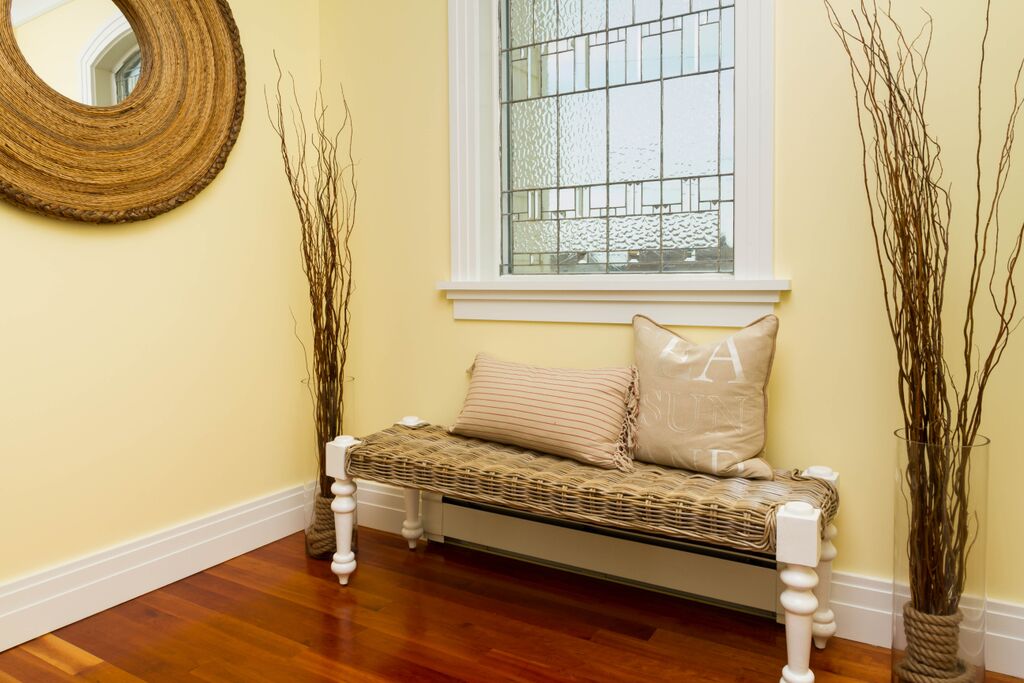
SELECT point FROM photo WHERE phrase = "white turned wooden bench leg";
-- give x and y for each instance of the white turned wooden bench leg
(343, 505)
(824, 618)
(412, 527)
(798, 546)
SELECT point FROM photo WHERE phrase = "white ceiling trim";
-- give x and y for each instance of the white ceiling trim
(24, 11)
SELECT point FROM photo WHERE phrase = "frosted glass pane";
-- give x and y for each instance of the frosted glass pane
(690, 230)
(567, 199)
(566, 71)
(545, 20)
(568, 18)
(582, 120)
(597, 66)
(533, 143)
(650, 196)
(533, 72)
(708, 46)
(676, 7)
(651, 61)
(647, 10)
(633, 54)
(580, 58)
(620, 13)
(728, 38)
(520, 204)
(521, 22)
(672, 54)
(617, 197)
(727, 98)
(690, 44)
(617, 62)
(594, 15)
(709, 189)
(634, 232)
(699, 5)
(691, 126)
(671, 193)
(634, 144)
(585, 234)
(549, 74)
(520, 76)
(534, 236)
(549, 203)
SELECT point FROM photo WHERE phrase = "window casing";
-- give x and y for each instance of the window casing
(699, 291)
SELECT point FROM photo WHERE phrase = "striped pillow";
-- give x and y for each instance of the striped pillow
(587, 415)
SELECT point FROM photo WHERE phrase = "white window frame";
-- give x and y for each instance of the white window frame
(479, 292)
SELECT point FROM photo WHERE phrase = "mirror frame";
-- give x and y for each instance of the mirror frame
(143, 157)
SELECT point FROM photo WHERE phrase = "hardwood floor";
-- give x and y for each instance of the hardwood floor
(439, 614)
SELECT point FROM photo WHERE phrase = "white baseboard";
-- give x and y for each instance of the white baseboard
(47, 600)
(863, 605)
(1004, 638)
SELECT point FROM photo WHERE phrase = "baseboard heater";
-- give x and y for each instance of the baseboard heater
(690, 570)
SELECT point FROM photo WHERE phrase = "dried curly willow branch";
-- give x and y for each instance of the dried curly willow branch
(320, 170)
(911, 210)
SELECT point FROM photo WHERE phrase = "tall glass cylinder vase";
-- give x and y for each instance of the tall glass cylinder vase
(938, 624)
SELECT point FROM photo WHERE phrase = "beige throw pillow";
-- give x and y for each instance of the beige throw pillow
(587, 415)
(703, 407)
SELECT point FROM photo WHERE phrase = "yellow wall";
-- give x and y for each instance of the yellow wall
(148, 373)
(53, 42)
(833, 389)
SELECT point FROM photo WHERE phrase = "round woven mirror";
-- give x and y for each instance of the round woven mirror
(155, 147)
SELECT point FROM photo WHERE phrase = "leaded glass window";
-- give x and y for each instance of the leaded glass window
(617, 136)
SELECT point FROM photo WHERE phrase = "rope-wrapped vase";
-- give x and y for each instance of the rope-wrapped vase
(933, 647)
(135, 160)
(320, 538)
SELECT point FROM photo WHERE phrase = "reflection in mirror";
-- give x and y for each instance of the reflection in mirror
(84, 49)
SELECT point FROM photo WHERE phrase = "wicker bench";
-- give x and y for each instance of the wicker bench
(789, 517)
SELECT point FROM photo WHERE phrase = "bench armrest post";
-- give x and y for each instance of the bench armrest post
(798, 546)
(343, 505)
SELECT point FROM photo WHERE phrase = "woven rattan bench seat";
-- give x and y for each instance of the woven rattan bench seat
(731, 513)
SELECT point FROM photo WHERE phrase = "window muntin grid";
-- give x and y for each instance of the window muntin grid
(617, 136)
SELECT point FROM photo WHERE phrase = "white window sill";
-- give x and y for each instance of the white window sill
(712, 301)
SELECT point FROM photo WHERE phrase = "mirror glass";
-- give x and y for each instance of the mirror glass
(84, 49)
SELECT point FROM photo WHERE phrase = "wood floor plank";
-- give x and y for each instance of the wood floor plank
(61, 654)
(438, 614)
(25, 667)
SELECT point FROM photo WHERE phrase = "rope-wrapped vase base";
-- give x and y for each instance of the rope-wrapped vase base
(320, 538)
(933, 646)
